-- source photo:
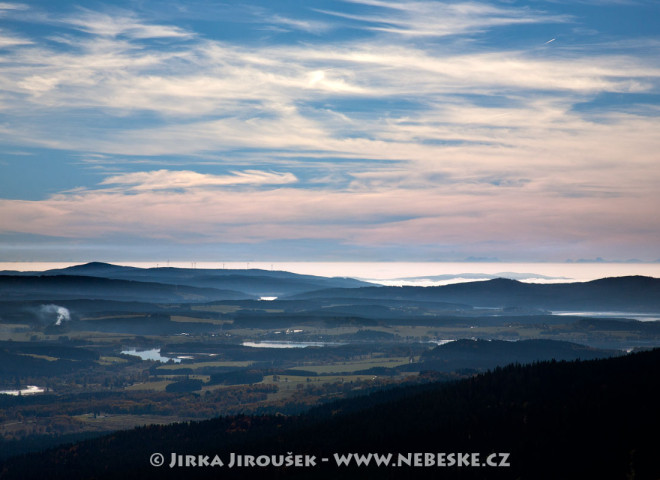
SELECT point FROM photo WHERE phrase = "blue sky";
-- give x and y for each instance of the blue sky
(329, 130)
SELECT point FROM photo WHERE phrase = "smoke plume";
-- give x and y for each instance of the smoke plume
(62, 314)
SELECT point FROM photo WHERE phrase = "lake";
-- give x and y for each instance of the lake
(289, 344)
(642, 317)
(151, 354)
(29, 390)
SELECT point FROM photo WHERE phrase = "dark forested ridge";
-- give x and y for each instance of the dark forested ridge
(55, 287)
(488, 354)
(633, 293)
(589, 419)
(253, 282)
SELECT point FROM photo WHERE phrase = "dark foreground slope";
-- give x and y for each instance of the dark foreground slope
(593, 419)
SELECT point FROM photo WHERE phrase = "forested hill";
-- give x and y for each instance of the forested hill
(254, 282)
(634, 293)
(487, 354)
(593, 419)
(59, 287)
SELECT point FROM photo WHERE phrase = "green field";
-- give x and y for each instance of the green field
(112, 422)
(195, 366)
(354, 366)
(212, 321)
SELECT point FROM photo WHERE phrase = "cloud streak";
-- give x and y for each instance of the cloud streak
(380, 216)
(440, 19)
(166, 179)
(121, 24)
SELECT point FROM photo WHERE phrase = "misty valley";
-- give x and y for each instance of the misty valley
(98, 348)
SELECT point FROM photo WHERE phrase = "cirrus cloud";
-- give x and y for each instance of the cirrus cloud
(167, 179)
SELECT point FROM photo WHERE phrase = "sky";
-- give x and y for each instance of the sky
(323, 130)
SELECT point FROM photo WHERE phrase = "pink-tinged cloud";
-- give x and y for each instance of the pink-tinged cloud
(517, 216)
(167, 179)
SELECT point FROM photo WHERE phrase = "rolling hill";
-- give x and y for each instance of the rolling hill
(254, 282)
(59, 287)
(634, 293)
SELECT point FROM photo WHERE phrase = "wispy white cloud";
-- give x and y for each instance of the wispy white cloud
(310, 26)
(167, 179)
(438, 19)
(255, 90)
(13, 6)
(606, 2)
(121, 23)
(8, 40)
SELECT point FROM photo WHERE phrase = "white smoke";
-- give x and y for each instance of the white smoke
(62, 313)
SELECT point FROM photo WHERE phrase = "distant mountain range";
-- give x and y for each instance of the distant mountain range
(73, 287)
(184, 285)
(452, 277)
(209, 284)
(633, 293)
